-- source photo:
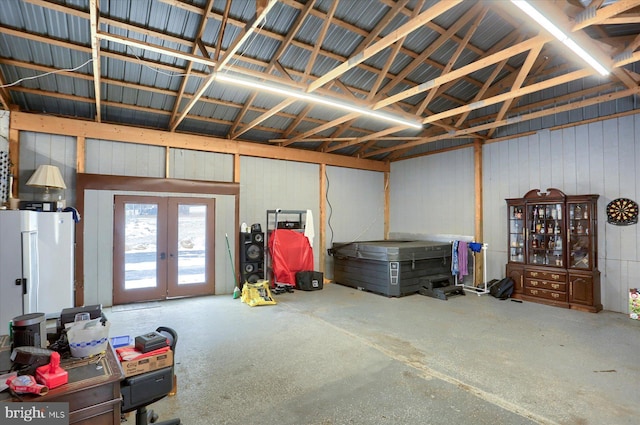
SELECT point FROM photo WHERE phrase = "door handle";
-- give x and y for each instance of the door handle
(163, 256)
(22, 282)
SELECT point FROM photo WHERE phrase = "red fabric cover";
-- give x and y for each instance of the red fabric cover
(290, 253)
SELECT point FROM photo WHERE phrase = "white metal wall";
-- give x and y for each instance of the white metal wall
(434, 195)
(196, 165)
(40, 148)
(98, 243)
(124, 159)
(267, 184)
(600, 158)
(429, 195)
(355, 208)
(98, 240)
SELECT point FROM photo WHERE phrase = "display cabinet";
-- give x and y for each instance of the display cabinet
(552, 249)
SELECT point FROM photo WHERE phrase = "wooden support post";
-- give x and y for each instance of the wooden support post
(81, 149)
(322, 178)
(477, 157)
(14, 153)
(236, 168)
(387, 198)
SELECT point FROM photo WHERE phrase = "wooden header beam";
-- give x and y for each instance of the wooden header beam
(120, 133)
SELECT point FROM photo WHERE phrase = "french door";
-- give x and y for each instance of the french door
(163, 247)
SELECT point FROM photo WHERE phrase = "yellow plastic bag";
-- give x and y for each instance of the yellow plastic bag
(258, 293)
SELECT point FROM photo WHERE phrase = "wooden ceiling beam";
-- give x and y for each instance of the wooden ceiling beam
(625, 19)
(363, 139)
(75, 98)
(465, 70)
(195, 9)
(316, 50)
(435, 45)
(552, 82)
(479, 16)
(322, 128)
(156, 49)
(517, 84)
(393, 11)
(494, 74)
(5, 98)
(320, 40)
(588, 17)
(426, 16)
(235, 46)
(194, 48)
(527, 117)
(233, 132)
(167, 92)
(95, 55)
(571, 97)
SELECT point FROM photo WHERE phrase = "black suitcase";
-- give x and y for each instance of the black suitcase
(309, 280)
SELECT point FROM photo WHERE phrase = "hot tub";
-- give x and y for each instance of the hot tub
(389, 267)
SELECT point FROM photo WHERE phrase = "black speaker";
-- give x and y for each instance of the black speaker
(252, 256)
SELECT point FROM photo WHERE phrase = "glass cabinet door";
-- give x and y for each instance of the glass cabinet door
(581, 235)
(516, 233)
(545, 244)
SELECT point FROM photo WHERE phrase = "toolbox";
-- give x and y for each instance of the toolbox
(151, 341)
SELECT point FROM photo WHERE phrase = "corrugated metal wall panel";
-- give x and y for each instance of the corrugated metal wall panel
(124, 159)
(270, 184)
(355, 208)
(98, 243)
(433, 195)
(40, 148)
(196, 165)
(599, 158)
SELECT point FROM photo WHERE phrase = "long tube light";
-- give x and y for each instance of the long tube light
(560, 35)
(334, 103)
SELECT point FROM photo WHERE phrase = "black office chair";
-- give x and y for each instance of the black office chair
(141, 390)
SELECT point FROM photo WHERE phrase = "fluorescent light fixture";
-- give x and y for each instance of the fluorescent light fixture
(285, 91)
(560, 35)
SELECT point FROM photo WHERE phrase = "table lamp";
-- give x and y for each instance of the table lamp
(47, 176)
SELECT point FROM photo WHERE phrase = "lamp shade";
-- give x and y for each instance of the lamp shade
(47, 176)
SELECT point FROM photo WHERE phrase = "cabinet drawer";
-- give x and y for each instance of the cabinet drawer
(546, 284)
(546, 294)
(545, 275)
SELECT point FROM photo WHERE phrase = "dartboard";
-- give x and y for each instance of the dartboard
(622, 211)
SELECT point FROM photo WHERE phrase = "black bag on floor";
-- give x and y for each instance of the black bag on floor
(309, 280)
(503, 289)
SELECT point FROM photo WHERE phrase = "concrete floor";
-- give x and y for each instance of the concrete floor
(343, 356)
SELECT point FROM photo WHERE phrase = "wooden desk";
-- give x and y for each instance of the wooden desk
(93, 390)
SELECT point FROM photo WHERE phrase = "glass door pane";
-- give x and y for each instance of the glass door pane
(516, 233)
(190, 241)
(580, 236)
(191, 246)
(141, 250)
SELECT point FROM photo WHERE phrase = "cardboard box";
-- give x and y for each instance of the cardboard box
(147, 364)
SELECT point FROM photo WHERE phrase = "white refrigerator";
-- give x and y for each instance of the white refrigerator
(36, 264)
(56, 249)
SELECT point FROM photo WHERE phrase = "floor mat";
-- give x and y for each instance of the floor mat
(135, 306)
